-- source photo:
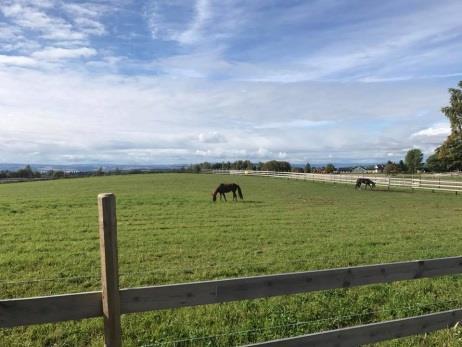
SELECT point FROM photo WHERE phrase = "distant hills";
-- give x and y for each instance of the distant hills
(88, 167)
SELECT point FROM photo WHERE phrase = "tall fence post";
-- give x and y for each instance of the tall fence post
(109, 269)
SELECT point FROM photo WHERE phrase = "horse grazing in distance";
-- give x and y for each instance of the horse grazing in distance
(366, 181)
(226, 188)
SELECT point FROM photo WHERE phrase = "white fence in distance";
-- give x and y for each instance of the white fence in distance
(417, 182)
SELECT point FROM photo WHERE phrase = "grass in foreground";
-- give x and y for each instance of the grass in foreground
(170, 232)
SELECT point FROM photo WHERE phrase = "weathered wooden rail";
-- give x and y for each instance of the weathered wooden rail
(383, 181)
(111, 301)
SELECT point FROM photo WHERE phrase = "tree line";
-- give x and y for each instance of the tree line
(272, 165)
(27, 173)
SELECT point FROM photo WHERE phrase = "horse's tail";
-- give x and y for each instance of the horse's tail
(239, 191)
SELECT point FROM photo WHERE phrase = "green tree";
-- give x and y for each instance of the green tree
(26, 172)
(402, 166)
(196, 168)
(391, 168)
(434, 164)
(206, 165)
(330, 168)
(248, 165)
(58, 174)
(448, 156)
(99, 172)
(454, 111)
(413, 160)
(307, 167)
(259, 166)
(275, 165)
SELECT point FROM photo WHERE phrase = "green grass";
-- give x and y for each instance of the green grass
(170, 232)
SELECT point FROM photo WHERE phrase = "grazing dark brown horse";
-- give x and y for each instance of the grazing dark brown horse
(226, 188)
(366, 181)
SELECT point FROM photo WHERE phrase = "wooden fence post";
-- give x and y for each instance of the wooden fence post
(109, 269)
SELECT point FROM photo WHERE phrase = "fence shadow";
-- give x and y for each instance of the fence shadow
(393, 191)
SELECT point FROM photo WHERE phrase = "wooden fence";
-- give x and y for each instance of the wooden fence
(417, 182)
(111, 302)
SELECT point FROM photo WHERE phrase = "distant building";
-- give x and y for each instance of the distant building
(379, 168)
(359, 169)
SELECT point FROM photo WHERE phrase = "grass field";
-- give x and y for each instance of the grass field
(170, 231)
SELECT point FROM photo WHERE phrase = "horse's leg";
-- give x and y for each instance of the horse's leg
(234, 196)
(224, 197)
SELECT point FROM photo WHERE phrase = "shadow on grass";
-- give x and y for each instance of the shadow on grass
(391, 191)
(240, 202)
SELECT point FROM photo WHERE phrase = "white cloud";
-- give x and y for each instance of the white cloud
(439, 130)
(199, 23)
(17, 60)
(34, 18)
(294, 123)
(90, 26)
(84, 10)
(56, 53)
(193, 33)
(9, 33)
(37, 24)
(86, 17)
(211, 137)
(73, 117)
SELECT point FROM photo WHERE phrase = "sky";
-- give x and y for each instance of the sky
(184, 81)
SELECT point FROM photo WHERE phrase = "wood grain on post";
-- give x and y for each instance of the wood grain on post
(109, 269)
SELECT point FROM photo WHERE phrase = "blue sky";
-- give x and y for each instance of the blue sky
(185, 81)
